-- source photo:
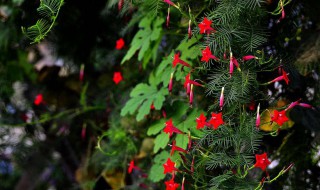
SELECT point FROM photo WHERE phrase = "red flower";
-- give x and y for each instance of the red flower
(38, 100)
(132, 166)
(192, 165)
(188, 82)
(168, 17)
(201, 121)
(216, 120)
(120, 44)
(258, 117)
(152, 106)
(169, 2)
(120, 4)
(262, 161)
(279, 117)
(284, 77)
(248, 57)
(176, 148)
(171, 185)
(170, 128)
(81, 73)
(191, 95)
(169, 166)
(177, 60)
(83, 132)
(189, 30)
(221, 100)
(205, 26)
(170, 82)
(207, 55)
(117, 77)
(233, 61)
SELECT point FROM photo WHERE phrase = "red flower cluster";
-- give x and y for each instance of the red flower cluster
(215, 121)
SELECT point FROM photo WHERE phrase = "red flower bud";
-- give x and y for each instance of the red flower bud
(189, 30)
(170, 82)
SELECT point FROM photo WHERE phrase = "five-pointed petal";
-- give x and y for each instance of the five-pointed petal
(206, 54)
(176, 59)
(119, 44)
(38, 100)
(285, 77)
(205, 26)
(216, 120)
(201, 121)
(262, 161)
(170, 128)
(171, 185)
(169, 166)
(117, 77)
(279, 117)
(131, 167)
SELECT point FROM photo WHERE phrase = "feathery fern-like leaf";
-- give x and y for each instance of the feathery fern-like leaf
(49, 10)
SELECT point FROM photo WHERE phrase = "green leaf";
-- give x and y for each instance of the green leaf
(83, 96)
(146, 39)
(49, 10)
(189, 51)
(161, 158)
(182, 141)
(156, 171)
(161, 141)
(156, 128)
(142, 96)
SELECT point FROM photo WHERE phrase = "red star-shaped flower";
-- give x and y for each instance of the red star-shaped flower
(201, 121)
(285, 77)
(170, 128)
(177, 60)
(207, 55)
(176, 148)
(262, 161)
(279, 117)
(169, 166)
(117, 77)
(119, 44)
(171, 185)
(186, 81)
(216, 120)
(205, 26)
(38, 100)
(131, 167)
